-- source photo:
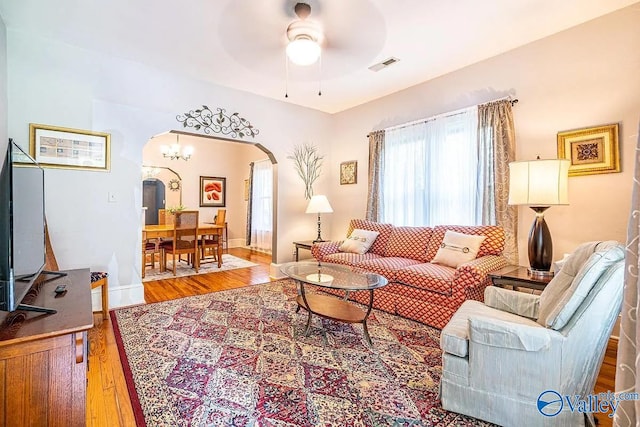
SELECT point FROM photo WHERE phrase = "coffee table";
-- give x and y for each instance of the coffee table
(333, 276)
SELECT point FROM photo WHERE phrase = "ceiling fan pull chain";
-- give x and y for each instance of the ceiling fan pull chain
(320, 78)
(286, 80)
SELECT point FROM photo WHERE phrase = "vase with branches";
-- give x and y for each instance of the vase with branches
(308, 163)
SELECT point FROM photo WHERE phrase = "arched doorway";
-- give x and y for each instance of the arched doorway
(215, 162)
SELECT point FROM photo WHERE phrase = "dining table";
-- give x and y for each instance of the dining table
(158, 231)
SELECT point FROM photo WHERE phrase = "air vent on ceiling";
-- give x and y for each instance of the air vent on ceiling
(384, 64)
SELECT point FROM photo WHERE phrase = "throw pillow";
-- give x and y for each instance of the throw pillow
(359, 241)
(457, 248)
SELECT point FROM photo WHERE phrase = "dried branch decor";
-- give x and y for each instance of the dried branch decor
(308, 163)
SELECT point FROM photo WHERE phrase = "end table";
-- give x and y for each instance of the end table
(303, 244)
(518, 277)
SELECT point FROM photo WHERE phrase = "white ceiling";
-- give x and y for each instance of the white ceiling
(240, 43)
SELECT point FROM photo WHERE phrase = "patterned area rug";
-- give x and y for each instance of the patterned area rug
(229, 262)
(239, 358)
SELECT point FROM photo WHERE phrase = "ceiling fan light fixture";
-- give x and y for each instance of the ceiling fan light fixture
(303, 50)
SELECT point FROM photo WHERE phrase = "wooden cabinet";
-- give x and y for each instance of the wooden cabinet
(43, 357)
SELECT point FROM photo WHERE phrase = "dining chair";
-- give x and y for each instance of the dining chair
(211, 242)
(149, 247)
(185, 240)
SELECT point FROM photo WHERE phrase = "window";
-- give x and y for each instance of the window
(262, 206)
(429, 172)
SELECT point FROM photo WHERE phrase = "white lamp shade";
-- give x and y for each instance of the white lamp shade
(539, 182)
(319, 204)
(303, 51)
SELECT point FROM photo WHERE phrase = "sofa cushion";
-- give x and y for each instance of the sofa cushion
(427, 276)
(359, 241)
(493, 243)
(562, 309)
(457, 248)
(380, 244)
(348, 258)
(387, 266)
(409, 242)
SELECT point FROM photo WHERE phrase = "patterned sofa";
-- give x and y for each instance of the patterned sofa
(417, 289)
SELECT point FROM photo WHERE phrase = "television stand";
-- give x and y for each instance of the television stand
(45, 359)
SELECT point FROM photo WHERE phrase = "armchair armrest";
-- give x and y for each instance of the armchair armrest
(475, 272)
(524, 334)
(515, 302)
(322, 249)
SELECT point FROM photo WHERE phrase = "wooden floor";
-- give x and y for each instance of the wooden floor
(108, 399)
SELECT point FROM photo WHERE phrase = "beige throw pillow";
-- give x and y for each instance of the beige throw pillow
(359, 241)
(457, 248)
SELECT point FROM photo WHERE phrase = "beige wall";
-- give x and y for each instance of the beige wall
(582, 77)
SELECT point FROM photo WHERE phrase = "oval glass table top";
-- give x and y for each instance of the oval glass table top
(333, 276)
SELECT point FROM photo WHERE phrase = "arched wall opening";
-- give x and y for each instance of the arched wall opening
(214, 156)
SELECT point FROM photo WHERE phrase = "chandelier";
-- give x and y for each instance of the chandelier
(175, 151)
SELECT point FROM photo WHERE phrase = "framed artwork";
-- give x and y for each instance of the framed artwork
(590, 150)
(349, 172)
(213, 191)
(58, 147)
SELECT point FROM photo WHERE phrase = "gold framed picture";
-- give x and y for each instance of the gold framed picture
(349, 172)
(59, 147)
(590, 150)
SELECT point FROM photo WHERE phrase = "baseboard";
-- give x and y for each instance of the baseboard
(119, 297)
(274, 271)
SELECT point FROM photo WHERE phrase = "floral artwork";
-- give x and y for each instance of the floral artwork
(308, 164)
(349, 172)
(213, 191)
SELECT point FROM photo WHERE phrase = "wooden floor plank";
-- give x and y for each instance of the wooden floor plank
(108, 398)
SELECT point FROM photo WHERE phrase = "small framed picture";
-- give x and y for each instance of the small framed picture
(349, 172)
(58, 147)
(590, 150)
(213, 191)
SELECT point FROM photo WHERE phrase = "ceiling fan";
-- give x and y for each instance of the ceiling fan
(305, 37)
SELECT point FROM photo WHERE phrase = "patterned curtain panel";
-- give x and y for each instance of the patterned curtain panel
(249, 206)
(496, 148)
(628, 360)
(376, 145)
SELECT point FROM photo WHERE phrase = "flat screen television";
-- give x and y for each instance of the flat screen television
(22, 227)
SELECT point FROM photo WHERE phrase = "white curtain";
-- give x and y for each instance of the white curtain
(262, 206)
(427, 169)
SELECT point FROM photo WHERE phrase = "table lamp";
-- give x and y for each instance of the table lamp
(319, 204)
(539, 184)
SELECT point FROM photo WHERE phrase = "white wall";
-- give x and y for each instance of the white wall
(582, 77)
(57, 84)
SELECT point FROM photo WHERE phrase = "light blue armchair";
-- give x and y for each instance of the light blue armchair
(515, 358)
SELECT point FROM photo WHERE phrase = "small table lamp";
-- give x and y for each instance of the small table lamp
(539, 184)
(319, 204)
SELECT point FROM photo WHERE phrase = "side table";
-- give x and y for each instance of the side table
(303, 244)
(518, 277)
